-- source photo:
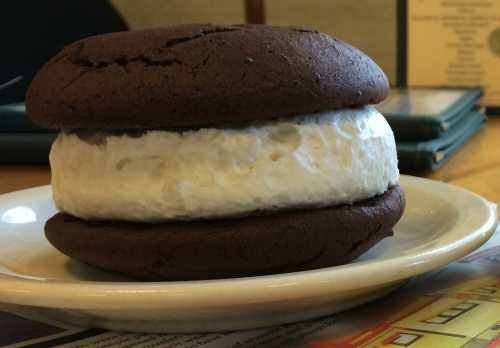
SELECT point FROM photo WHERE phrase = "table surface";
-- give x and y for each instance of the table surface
(475, 167)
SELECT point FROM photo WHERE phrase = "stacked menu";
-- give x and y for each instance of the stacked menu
(430, 125)
(20, 140)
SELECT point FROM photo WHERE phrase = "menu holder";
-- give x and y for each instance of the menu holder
(430, 155)
(418, 114)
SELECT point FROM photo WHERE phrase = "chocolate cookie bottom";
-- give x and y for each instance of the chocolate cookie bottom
(225, 248)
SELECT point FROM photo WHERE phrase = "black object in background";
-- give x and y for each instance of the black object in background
(32, 32)
(25, 148)
(13, 119)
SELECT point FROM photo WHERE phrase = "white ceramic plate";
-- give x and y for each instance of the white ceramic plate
(442, 223)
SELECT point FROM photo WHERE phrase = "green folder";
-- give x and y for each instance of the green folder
(430, 155)
(418, 114)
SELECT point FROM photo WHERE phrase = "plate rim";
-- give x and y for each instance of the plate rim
(206, 293)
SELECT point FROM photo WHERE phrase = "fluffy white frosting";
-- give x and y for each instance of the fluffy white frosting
(315, 160)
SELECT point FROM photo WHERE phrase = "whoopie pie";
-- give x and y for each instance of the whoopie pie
(204, 151)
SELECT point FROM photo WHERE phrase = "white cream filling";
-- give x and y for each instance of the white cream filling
(323, 159)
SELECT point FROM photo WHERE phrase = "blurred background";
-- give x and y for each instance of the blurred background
(367, 24)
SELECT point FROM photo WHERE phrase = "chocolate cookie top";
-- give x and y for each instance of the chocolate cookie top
(192, 76)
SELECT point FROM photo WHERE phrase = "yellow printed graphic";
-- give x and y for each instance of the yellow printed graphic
(453, 317)
(466, 316)
(409, 338)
